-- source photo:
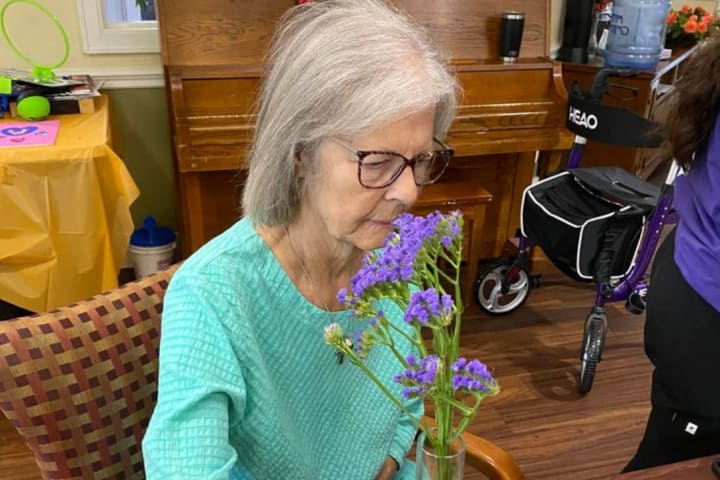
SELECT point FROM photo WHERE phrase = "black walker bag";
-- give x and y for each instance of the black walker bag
(585, 218)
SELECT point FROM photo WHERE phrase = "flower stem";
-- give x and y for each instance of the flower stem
(458, 303)
(412, 341)
(387, 392)
(446, 276)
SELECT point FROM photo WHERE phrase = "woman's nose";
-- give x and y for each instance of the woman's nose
(404, 189)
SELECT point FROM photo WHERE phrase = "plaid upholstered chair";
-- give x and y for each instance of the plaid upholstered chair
(80, 382)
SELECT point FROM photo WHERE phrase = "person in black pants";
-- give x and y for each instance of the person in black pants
(681, 339)
(682, 331)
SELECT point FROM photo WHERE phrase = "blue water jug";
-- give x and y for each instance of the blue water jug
(637, 33)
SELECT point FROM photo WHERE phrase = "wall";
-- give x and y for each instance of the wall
(140, 120)
(35, 34)
(557, 17)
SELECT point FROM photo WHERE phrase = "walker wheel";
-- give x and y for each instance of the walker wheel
(635, 303)
(489, 289)
(590, 355)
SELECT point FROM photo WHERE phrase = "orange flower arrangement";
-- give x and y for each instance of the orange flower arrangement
(689, 25)
(599, 6)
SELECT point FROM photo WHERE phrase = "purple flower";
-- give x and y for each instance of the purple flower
(395, 262)
(447, 304)
(454, 222)
(426, 305)
(342, 296)
(360, 344)
(378, 319)
(409, 392)
(473, 376)
(411, 360)
(419, 378)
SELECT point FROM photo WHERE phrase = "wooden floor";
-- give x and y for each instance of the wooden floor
(16, 461)
(552, 432)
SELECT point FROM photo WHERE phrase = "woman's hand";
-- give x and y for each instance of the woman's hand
(388, 470)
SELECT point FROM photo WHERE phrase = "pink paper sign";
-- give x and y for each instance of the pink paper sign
(29, 134)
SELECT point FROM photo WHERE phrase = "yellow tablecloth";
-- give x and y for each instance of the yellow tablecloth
(64, 214)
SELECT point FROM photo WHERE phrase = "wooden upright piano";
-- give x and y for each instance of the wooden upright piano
(510, 116)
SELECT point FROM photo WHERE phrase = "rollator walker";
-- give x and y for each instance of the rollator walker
(596, 224)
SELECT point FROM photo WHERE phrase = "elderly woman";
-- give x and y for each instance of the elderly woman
(353, 104)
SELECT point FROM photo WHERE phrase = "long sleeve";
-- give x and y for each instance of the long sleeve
(406, 431)
(199, 383)
(697, 237)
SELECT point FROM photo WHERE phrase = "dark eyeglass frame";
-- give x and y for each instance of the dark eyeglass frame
(362, 154)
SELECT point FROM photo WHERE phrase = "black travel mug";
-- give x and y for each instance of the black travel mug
(511, 30)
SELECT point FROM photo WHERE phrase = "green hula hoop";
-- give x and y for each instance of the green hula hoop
(41, 71)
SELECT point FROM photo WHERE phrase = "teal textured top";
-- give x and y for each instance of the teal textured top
(249, 389)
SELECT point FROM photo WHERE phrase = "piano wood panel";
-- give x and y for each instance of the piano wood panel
(504, 110)
(471, 28)
(217, 32)
(237, 32)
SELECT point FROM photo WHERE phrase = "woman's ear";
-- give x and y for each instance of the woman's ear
(301, 160)
(299, 165)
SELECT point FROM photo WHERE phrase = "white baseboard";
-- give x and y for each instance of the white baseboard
(109, 78)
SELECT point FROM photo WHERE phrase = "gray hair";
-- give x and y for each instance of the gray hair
(337, 68)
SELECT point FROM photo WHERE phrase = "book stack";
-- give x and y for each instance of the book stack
(77, 98)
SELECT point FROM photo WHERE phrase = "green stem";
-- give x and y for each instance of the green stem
(418, 341)
(446, 276)
(412, 341)
(387, 393)
(464, 409)
(453, 261)
(422, 349)
(467, 418)
(440, 342)
(397, 355)
(460, 428)
(458, 308)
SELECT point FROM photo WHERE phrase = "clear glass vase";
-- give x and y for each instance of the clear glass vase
(431, 465)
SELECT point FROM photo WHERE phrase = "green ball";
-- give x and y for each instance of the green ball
(33, 107)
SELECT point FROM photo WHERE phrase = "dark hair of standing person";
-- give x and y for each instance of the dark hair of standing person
(691, 119)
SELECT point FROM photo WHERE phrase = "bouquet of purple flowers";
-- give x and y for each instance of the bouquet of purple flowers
(418, 264)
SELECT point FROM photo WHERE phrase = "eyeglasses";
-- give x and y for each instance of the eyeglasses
(379, 169)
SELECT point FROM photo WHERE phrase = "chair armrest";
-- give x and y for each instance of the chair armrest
(490, 459)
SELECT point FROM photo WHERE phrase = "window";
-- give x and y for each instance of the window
(127, 11)
(118, 26)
